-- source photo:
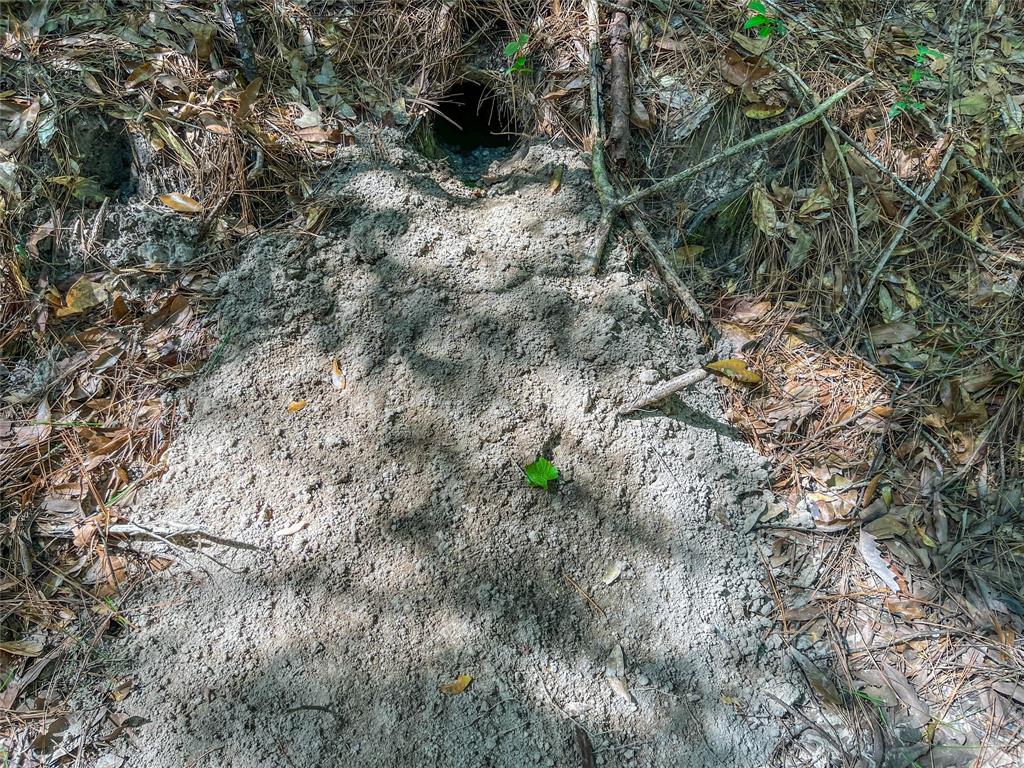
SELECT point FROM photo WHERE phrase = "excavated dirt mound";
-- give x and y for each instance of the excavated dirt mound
(391, 542)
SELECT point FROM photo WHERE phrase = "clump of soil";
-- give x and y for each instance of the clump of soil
(387, 541)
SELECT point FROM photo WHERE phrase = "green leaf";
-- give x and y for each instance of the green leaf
(540, 473)
(512, 48)
(756, 21)
(756, 5)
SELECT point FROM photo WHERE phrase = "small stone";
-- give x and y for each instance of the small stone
(649, 376)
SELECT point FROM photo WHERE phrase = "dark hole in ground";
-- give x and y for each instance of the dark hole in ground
(105, 155)
(474, 124)
(471, 117)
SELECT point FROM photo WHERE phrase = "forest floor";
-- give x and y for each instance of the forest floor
(325, 438)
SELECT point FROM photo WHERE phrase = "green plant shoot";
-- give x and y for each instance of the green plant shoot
(765, 25)
(513, 51)
(540, 473)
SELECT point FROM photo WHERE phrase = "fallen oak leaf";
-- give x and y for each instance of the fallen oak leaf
(457, 686)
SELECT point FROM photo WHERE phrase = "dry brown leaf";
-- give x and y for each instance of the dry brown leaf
(740, 71)
(82, 296)
(763, 210)
(640, 115)
(214, 123)
(248, 97)
(28, 648)
(36, 432)
(893, 333)
(555, 180)
(140, 74)
(91, 83)
(585, 747)
(457, 686)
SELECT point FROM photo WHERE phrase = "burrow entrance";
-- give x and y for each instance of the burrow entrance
(474, 127)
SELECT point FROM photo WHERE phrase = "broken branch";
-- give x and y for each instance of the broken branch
(754, 141)
(666, 390)
(619, 89)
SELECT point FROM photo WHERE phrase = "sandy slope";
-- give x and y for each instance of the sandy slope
(396, 544)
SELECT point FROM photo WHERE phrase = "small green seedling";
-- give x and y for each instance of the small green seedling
(917, 73)
(765, 25)
(540, 473)
(513, 51)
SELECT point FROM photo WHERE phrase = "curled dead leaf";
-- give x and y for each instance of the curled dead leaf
(457, 686)
(338, 378)
(181, 203)
(734, 369)
(761, 111)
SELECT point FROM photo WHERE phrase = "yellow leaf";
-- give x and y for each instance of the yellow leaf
(296, 405)
(83, 295)
(457, 686)
(337, 375)
(181, 203)
(763, 111)
(736, 370)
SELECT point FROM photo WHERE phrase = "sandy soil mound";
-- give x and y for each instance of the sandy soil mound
(393, 543)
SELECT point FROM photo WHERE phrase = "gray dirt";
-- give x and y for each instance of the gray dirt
(391, 542)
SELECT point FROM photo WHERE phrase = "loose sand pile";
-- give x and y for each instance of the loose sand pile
(392, 541)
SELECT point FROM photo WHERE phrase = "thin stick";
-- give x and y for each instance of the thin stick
(583, 592)
(754, 141)
(909, 191)
(667, 389)
(897, 238)
(979, 176)
(665, 270)
(851, 201)
(619, 88)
